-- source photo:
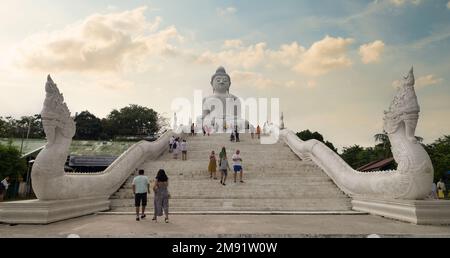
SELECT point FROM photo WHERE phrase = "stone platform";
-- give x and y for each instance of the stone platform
(428, 212)
(223, 226)
(45, 212)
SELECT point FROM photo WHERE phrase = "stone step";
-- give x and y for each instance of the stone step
(242, 204)
(276, 180)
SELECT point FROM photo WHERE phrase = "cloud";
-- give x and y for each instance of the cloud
(99, 43)
(246, 57)
(371, 52)
(113, 83)
(288, 54)
(402, 2)
(324, 56)
(233, 43)
(227, 11)
(421, 82)
(252, 79)
(428, 80)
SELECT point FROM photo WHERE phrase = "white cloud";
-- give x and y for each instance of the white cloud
(233, 43)
(227, 11)
(248, 57)
(288, 54)
(371, 52)
(421, 82)
(402, 2)
(324, 56)
(252, 79)
(99, 43)
(311, 84)
(290, 84)
(428, 80)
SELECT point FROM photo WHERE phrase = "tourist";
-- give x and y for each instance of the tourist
(258, 132)
(162, 195)
(441, 189)
(212, 167)
(193, 129)
(224, 167)
(237, 165)
(4, 187)
(176, 148)
(204, 130)
(252, 131)
(433, 194)
(232, 137)
(222, 153)
(236, 134)
(183, 147)
(171, 141)
(141, 186)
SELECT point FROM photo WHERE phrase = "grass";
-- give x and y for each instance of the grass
(88, 148)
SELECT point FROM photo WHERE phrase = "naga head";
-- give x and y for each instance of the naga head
(409, 80)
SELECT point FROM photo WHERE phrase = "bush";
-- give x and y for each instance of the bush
(11, 163)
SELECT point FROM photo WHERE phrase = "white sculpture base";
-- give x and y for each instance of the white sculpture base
(428, 212)
(45, 212)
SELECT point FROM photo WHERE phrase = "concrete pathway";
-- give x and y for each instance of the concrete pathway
(227, 226)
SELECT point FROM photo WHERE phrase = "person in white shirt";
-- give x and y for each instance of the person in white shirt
(237, 165)
(183, 147)
(141, 186)
(4, 187)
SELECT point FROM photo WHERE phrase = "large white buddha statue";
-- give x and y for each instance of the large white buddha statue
(222, 108)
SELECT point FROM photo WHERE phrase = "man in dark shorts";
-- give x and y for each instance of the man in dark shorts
(141, 186)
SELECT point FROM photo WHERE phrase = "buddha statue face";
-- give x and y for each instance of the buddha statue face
(221, 81)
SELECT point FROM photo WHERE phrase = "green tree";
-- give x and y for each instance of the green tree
(439, 152)
(307, 135)
(133, 120)
(89, 127)
(11, 163)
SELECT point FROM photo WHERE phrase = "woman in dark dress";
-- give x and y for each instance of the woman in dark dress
(162, 195)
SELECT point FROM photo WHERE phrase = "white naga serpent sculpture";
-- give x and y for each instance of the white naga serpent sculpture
(413, 178)
(49, 180)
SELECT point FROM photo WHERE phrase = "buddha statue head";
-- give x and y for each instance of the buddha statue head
(221, 81)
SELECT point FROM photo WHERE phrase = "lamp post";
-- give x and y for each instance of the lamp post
(30, 164)
(23, 136)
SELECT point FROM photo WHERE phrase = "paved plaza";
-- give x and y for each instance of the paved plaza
(181, 226)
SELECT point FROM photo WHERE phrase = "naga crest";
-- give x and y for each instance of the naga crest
(55, 114)
(404, 108)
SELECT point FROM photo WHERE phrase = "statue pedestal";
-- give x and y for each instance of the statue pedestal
(428, 212)
(45, 212)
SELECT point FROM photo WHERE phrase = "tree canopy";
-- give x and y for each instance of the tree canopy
(439, 152)
(89, 127)
(132, 121)
(307, 135)
(11, 163)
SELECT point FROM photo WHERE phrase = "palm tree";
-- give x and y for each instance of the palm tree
(383, 138)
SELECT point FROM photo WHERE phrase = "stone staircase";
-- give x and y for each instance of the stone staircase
(275, 180)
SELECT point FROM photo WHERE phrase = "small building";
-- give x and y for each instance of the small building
(90, 163)
(385, 164)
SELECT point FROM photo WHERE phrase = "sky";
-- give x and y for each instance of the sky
(333, 64)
